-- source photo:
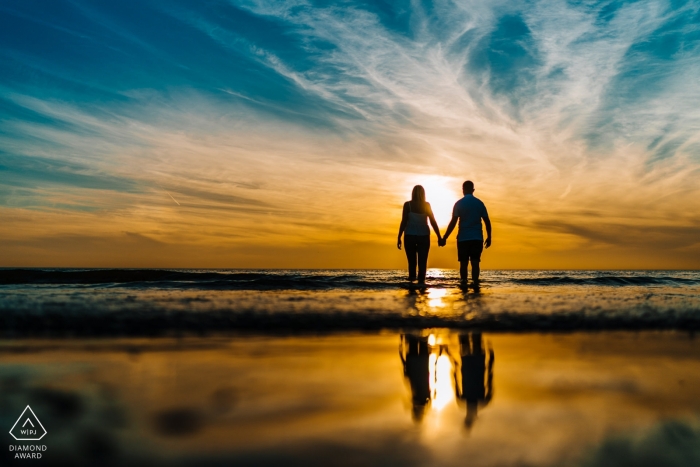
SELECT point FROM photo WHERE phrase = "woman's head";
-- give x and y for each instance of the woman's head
(418, 194)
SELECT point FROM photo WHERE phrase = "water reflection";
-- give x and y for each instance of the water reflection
(336, 399)
(441, 379)
(474, 380)
(432, 300)
(441, 301)
(437, 374)
(415, 352)
(436, 298)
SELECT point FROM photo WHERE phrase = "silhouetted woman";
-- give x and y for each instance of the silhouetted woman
(414, 226)
(415, 356)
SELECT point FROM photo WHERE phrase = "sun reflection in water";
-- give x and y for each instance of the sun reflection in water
(436, 298)
(440, 374)
(445, 373)
(429, 368)
(442, 390)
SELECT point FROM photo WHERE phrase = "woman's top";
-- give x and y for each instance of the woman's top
(417, 221)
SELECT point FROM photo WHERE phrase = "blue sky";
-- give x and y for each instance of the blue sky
(119, 120)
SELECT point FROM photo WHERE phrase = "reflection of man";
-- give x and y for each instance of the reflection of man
(416, 368)
(469, 211)
(476, 388)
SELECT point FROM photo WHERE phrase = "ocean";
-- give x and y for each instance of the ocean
(133, 302)
(156, 367)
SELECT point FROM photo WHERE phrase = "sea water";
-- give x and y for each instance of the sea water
(350, 368)
(161, 301)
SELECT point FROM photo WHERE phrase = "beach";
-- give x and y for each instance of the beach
(211, 367)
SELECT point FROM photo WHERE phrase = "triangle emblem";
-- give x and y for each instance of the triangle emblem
(28, 427)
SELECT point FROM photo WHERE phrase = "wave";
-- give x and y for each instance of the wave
(154, 322)
(607, 280)
(145, 302)
(248, 280)
(329, 279)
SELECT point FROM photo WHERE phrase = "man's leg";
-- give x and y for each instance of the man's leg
(475, 257)
(464, 270)
(475, 270)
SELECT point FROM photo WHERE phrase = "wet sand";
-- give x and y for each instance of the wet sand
(613, 398)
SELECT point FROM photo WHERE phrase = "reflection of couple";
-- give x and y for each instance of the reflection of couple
(469, 211)
(472, 372)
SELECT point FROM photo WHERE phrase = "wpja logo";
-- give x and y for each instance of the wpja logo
(28, 428)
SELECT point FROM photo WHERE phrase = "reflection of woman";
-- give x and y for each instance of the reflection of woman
(414, 226)
(415, 356)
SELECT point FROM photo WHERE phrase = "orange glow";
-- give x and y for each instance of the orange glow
(442, 390)
(435, 298)
(311, 215)
(441, 193)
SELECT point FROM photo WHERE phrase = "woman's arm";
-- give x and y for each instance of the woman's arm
(402, 226)
(433, 222)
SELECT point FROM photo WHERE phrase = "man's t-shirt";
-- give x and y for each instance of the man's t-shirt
(470, 211)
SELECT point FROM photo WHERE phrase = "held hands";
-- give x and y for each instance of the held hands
(443, 242)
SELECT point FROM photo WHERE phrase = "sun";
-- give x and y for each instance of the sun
(441, 193)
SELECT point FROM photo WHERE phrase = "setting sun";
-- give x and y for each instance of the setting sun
(441, 193)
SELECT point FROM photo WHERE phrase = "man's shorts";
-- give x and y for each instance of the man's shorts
(470, 250)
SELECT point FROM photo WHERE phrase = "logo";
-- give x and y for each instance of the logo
(28, 427)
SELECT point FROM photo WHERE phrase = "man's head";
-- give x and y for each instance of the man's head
(468, 187)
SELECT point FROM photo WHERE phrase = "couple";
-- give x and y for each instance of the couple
(469, 211)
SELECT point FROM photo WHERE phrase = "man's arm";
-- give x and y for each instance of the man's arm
(487, 223)
(450, 228)
(402, 226)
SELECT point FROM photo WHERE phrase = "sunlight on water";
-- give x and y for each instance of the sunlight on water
(436, 298)
(443, 390)
(440, 273)
(440, 373)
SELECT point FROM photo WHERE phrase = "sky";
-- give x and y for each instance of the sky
(266, 134)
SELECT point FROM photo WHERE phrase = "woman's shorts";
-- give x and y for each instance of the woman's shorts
(470, 250)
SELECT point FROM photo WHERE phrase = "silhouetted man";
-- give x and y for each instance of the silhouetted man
(476, 372)
(469, 211)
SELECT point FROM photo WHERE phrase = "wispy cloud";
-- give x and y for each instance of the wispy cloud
(302, 121)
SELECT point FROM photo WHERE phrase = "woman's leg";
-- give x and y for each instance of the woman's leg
(423, 248)
(409, 245)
